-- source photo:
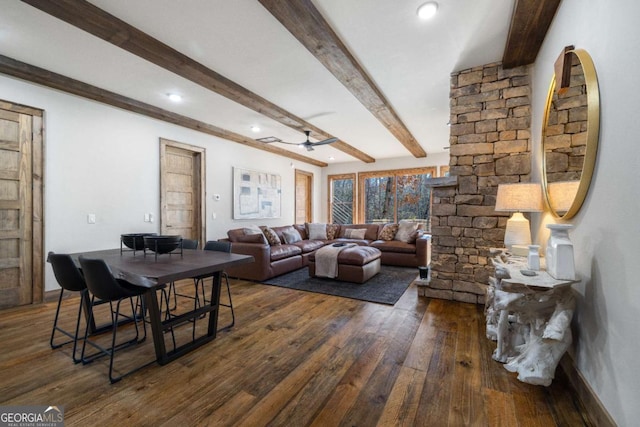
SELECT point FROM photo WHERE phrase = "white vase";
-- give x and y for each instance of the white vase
(533, 258)
(559, 253)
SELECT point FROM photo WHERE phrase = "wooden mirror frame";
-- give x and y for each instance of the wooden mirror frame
(593, 134)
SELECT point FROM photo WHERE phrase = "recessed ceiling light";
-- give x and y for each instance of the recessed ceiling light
(255, 128)
(174, 97)
(427, 10)
(332, 158)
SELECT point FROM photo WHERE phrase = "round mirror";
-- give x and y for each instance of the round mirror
(570, 132)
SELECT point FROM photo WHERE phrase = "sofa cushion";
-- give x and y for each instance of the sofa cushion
(388, 232)
(355, 233)
(302, 229)
(309, 245)
(370, 234)
(405, 231)
(272, 236)
(251, 238)
(284, 251)
(317, 231)
(332, 231)
(394, 246)
(291, 236)
(251, 229)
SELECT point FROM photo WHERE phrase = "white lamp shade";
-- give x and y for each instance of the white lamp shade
(521, 197)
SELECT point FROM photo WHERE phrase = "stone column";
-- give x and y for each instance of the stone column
(490, 144)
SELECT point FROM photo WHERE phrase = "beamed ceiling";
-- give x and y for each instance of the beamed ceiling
(366, 72)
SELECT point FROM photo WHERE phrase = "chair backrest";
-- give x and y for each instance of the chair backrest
(67, 273)
(100, 280)
(213, 245)
(189, 244)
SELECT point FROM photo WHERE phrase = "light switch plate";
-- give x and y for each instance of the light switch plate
(91, 219)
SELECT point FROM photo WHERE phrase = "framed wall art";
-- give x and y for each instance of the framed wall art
(256, 194)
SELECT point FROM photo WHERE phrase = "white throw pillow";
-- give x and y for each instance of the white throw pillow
(405, 230)
(317, 231)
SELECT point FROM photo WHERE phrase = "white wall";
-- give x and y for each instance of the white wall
(105, 161)
(432, 159)
(605, 237)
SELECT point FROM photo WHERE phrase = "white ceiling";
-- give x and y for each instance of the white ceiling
(410, 61)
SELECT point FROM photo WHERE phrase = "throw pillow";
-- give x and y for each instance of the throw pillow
(251, 229)
(317, 231)
(272, 236)
(252, 238)
(291, 236)
(405, 229)
(332, 231)
(388, 232)
(355, 233)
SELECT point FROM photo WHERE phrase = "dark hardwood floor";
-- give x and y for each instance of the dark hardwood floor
(293, 359)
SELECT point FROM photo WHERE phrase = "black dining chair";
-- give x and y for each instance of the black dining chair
(70, 279)
(219, 246)
(101, 284)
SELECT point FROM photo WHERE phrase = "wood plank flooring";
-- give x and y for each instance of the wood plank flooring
(293, 359)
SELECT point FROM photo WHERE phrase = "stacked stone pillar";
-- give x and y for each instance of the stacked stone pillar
(490, 144)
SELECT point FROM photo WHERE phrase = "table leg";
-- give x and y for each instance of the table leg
(155, 317)
(215, 302)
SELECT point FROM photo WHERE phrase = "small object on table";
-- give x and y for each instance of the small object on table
(533, 259)
(529, 273)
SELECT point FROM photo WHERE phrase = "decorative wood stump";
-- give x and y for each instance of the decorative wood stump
(529, 317)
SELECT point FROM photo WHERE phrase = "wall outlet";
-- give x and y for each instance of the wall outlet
(91, 219)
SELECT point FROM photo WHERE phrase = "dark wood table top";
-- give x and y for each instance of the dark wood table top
(149, 271)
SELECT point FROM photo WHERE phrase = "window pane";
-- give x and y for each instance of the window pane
(342, 201)
(379, 200)
(414, 197)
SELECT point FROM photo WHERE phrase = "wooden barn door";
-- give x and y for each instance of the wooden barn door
(182, 201)
(20, 205)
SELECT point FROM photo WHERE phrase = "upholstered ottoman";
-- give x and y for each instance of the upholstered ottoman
(355, 264)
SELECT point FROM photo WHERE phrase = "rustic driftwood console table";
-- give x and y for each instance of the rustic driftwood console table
(529, 317)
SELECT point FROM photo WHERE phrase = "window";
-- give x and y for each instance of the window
(390, 196)
(342, 198)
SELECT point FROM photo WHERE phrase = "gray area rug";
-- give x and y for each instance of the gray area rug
(385, 287)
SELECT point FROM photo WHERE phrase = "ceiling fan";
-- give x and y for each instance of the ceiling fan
(308, 144)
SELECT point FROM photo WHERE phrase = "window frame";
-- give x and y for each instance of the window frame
(340, 177)
(362, 176)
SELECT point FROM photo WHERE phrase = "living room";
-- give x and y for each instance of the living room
(105, 161)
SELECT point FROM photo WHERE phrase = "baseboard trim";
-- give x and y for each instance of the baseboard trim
(597, 413)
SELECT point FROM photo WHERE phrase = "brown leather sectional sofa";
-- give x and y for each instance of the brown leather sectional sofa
(271, 261)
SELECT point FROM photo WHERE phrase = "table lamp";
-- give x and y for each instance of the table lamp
(518, 198)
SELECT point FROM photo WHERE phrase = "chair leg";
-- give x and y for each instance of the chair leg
(55, 323)
(75, 336)
(115, 317)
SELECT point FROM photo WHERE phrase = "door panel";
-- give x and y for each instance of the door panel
(16, 209)
(182, 190)
(304, 196)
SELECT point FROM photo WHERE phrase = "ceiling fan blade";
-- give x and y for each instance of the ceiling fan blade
(326, 141)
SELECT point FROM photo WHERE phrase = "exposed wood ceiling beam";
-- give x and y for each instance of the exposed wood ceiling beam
(307, 25)
(99, 23)
(47, 78)
(529, 25)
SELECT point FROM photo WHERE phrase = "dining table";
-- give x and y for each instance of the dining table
(154, 271)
